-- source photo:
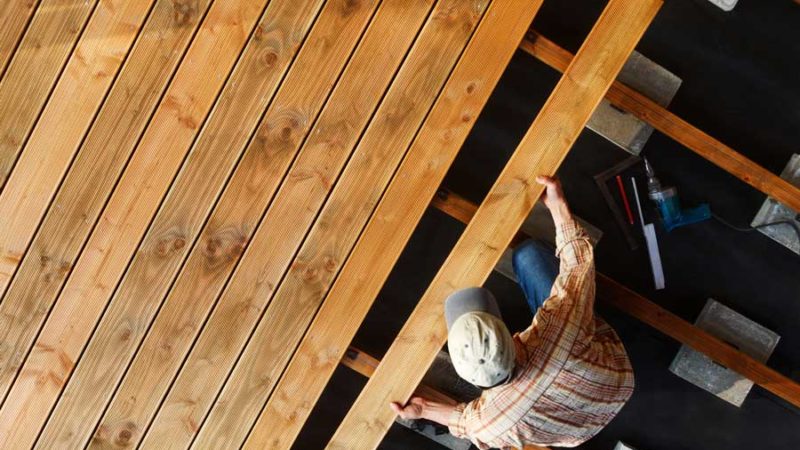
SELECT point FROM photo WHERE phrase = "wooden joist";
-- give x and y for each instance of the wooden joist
(673, 126)
(181, 217)
(541, 151)
(425, 165)
(636, 305)
(174, 125)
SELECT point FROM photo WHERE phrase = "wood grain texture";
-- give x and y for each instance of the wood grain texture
(615, 294)
(15, 16)
(76, 98)
(178, 222)
(541, 151)
(436, 145)
(280, 135)
(31, 75)
(678, 129)
(412, 93)
(91, 178)
(293, 211)
(174, 125)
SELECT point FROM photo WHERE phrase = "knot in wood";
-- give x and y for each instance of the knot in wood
(270, 58)
(349, 6)
(183, 11)
(329, 263)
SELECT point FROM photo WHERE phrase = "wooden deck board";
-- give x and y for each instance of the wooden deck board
(92, 177)
(282, 230)
(174, 126)
(541, 151)
(330, 240)
(14, 19)
(178, 222)
(446, 128)
(32, 72)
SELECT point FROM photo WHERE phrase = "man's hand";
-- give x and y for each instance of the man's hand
(553, 198)
(419, 408)
(413, 409)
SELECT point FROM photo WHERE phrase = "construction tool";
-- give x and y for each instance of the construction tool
(602, 179)
(669, 207)
(649, 231)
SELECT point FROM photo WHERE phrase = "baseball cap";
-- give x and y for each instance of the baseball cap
(480, 345)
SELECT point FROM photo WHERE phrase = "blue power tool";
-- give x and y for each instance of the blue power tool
(669, 207)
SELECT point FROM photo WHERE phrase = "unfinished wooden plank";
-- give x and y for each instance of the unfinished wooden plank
(174, 125)
(282, 230)
(32, 73)
(293, 306)
(445, 129)
(541, 151)
(628, 301)
(678, 129)
(231, 226)
(14, 19)
(97, 167)
(178, 222)
(77, 96)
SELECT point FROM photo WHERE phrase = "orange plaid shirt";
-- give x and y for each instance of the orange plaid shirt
(572, 376)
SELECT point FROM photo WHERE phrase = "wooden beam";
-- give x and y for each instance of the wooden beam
(174, 125)
(365, 364)
(541, 151)
(673, 126)
(426, 164)
(628, 301)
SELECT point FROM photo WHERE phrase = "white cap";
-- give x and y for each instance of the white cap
(481, 348)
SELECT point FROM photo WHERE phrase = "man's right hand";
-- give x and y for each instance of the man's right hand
(553, 198)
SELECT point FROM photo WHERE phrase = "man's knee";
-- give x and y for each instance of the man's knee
(532, 251)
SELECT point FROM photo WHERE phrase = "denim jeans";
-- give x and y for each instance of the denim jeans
(536, 267)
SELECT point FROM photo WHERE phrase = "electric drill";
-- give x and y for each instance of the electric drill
(669, 207)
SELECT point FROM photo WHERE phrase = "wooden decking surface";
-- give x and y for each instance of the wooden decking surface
(182, 182)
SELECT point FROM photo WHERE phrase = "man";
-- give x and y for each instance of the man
(557, 383)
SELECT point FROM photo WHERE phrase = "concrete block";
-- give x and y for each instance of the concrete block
(622, 128)
(735, 329)
(772, 211)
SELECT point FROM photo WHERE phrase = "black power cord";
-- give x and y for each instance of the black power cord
(790, 222)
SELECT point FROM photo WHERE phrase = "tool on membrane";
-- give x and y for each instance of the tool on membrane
(669, 206)
(649, 231)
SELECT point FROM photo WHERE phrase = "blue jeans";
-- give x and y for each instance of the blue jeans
(536, 267)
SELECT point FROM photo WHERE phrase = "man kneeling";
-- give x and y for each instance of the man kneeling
(560, 381)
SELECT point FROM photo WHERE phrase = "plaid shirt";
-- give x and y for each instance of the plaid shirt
(573, 375)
